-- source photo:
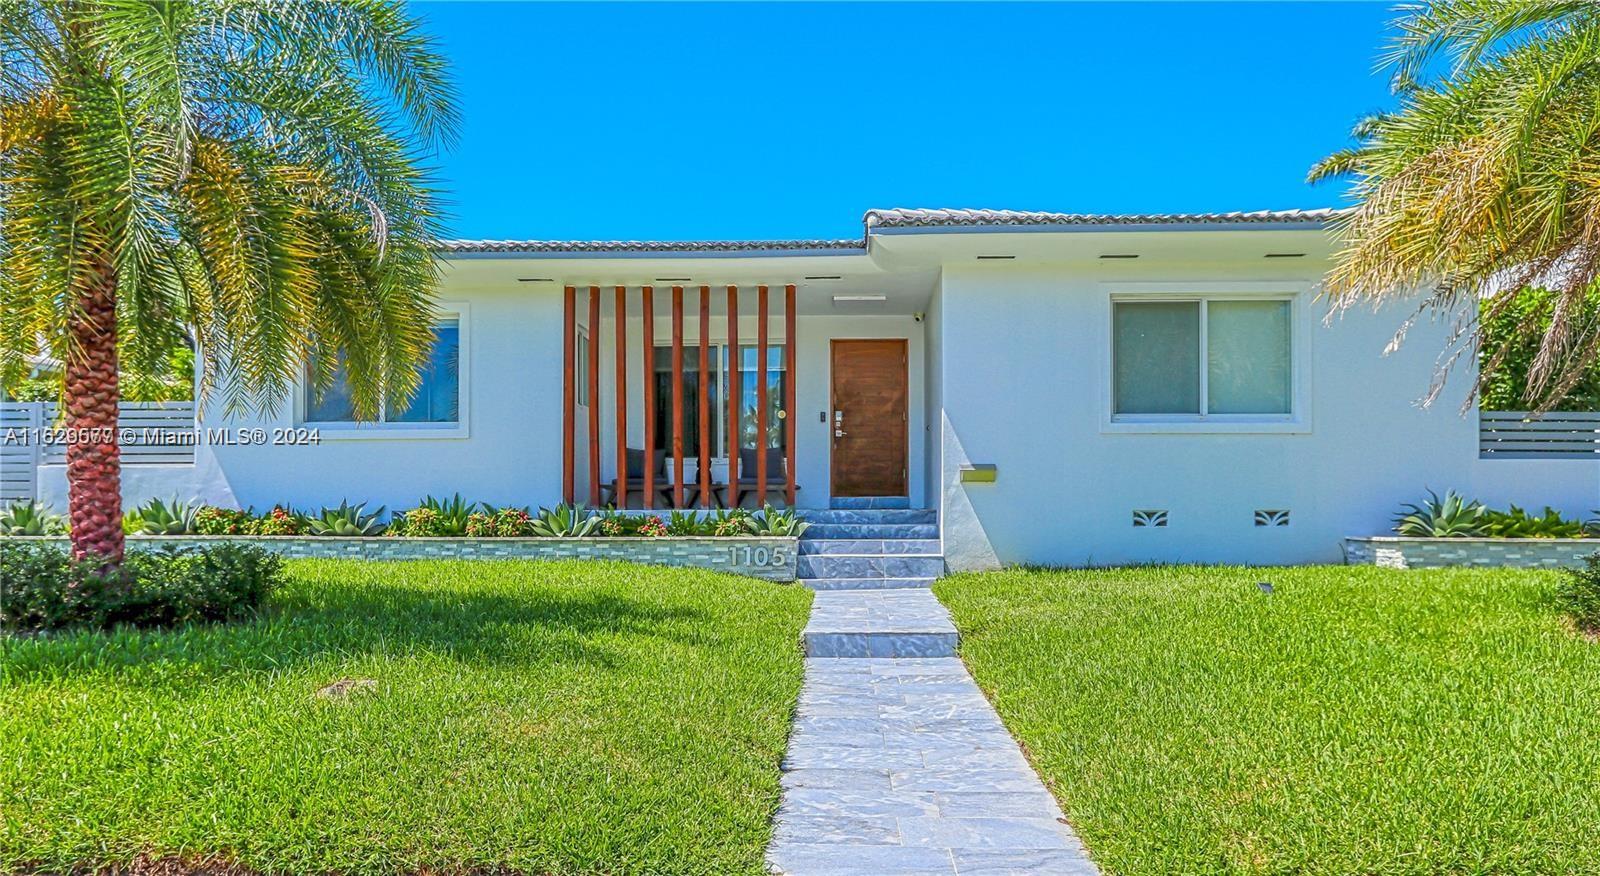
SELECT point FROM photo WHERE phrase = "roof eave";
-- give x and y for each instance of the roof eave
(592, 254)
(1102, 227)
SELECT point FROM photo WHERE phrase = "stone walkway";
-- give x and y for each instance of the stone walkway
(899, 765)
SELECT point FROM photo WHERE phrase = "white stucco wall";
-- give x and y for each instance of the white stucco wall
(1025, 378)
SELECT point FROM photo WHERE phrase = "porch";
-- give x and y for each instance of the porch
(723, 394)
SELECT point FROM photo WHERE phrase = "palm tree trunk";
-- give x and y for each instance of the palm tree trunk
(94, 472)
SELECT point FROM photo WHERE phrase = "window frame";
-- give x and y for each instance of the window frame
(383, 429)
(1298, 420)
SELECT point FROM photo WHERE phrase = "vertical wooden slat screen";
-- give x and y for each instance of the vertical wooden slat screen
(677, 396)
(733, 396)
(649, 328)
(704, 470)
(594, 395)
(621, 495)
(789, 382)
(761, 396)
(569, 391)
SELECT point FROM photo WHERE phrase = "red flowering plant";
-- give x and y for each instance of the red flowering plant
(505, 522)
(513, 522)
(211, 520)
(280, 521)
(652, 527)
(614, 525)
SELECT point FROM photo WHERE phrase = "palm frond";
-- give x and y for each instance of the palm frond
(1485, 180)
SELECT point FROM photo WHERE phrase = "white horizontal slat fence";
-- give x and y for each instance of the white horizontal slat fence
(19, 451)
(1555, 435)
(148, 433)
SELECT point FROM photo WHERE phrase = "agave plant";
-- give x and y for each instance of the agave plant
(1450, 517)
(771, 521)
(132, 523)
(31, 518)
(1517, 523)
(564, 521)
(171, 517)
(347, 520)
(687, 523)
(452, 513)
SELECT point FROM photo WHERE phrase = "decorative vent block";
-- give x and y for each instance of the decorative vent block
(1150, 518)
(1272, 517)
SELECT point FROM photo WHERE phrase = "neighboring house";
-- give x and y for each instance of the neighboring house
(1139, 388)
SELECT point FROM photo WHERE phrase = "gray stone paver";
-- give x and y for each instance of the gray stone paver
(901, 766)
(900, 623)
(896, 763)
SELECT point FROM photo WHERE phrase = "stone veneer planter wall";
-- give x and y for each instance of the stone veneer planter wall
(1399, 552)
(770, 558)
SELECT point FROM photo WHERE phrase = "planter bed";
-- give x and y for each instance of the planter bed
(1404, 552)
(767, 557)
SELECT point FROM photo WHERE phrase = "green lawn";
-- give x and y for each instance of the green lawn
(530, 717)
(1358, 720)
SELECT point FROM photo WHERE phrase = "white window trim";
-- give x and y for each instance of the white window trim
(348, 431)
(1298, 421)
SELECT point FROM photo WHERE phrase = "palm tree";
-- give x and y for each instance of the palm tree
(245, 172)
(1483, 181)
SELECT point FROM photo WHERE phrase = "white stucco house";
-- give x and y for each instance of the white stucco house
(1061, 389)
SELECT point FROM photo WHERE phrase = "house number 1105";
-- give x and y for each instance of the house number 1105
(757, 556)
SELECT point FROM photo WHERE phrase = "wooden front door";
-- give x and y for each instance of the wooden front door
(869, 418)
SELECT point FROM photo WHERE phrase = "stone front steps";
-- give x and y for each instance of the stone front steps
(870, 502)
(871, 517)
(820, 531)
(872, 561)
(900, 547)
(869, 566)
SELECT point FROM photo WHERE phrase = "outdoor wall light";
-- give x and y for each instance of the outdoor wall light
(1119, 255)
(837, 299)
(1286, 255)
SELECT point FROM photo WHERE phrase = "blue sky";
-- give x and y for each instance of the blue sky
(666, 121)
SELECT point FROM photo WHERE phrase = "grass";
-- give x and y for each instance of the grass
(550, 717)
(1357, 720)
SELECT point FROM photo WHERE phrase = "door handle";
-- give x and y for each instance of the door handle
(838, 433)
